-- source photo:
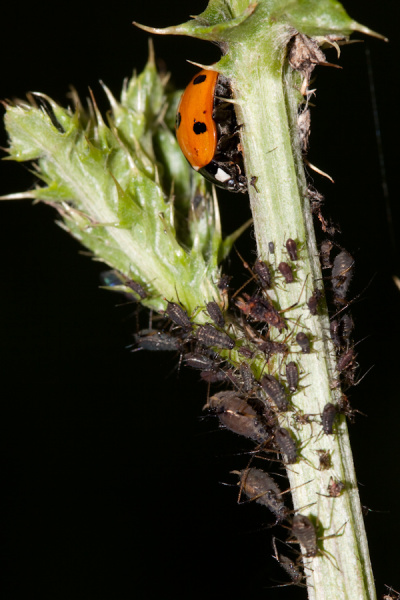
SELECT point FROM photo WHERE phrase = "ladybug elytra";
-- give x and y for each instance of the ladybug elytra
(207, 131)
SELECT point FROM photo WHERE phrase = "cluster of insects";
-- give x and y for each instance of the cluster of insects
(237, 333)
(223, 349)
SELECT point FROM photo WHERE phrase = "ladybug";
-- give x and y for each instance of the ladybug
(208, 133)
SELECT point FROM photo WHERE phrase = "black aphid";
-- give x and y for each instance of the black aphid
(179, 316)
(209, 337)
(292, 376)
(236, 414)
(293, 570)
(246, 377)
(325, 254)
(303, 342)
(276, 392)
(157, 341)
(262, 310)
(304, 531)
(286, 271)
(291, 247)
(286, 445)
(328, 417)
(263, 273)
(313, 301)
(271, 247)
(199, 361)
(260, 487)
(342, 273)
(216, 314)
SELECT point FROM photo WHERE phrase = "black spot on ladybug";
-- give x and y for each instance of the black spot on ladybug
(199, 127)
(178, 120)
(199, 79)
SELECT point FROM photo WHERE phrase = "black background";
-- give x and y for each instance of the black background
(110, 480)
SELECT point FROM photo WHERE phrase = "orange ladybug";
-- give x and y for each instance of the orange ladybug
(208, 133)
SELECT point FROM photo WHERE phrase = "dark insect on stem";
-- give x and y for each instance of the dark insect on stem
(114, 278)
(276, 392)
(246, 377)
(313, 301)
(257, 485)
(304, 531)
(325, 254)
(292, 569)
(303, 342)
(335, 488)
(342, 273)
(325, 461)
(156, 341)
(263, 274)
(286, 271)
(199, 361)
(179, 316)
(271, 247)
(262, 310)
(291, 248)
(286, 444)
(328, 418)
(292, 376)
(216, 314)
(211, 337)
(236, 414)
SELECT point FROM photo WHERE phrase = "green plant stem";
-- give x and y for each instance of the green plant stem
(266, 96)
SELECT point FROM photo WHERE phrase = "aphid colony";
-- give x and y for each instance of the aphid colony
(252, 407)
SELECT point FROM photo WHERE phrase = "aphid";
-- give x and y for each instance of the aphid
(345, 360)
(334, 329)
(157, 341)
(325, 254)
(214, 375)
(342, 273)
(276, 392)
(115, 279)
(293, 570)
(247, 377)
(223, 283)
(335, 487)
(303, 342)
(328, 417)
(215, 313)
(325, 461)
(262, 310)
(236, 414)
(291, 247)
(260, 487)
(316, 201)
(209, 336)
(207, 131)
(292, 376)
(286, 271)
(286, 444)
(345, 408)
(313, 301)
(199, 361)
(179, 316)
(263, 273)
(271, 247)
(346, 326)
(304, 531)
